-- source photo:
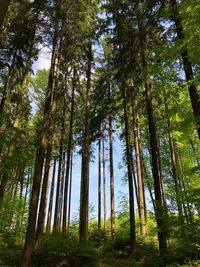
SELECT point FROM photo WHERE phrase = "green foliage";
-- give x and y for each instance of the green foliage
(56, 251)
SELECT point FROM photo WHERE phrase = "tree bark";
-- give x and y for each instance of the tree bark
(43, 201)
(159, 211)
(104, 180)
(69, 152)
(112, 192)
(4, 4)
(39, 161)
(99, 181)
(187, 65)
(51, 198)
(84, 196)
(155, 171)
(130, 177)
(174, 165)
(140, 177)
(70, 190)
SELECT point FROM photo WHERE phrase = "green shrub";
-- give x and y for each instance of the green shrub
(56, 251)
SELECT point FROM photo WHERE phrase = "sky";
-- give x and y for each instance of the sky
(43, 62)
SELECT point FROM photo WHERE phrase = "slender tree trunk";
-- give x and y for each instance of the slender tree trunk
(104, 180)
(4, 4)
(155, 170)
(84, 197)
(99, 182)
(51, 198)
(112, 192)
(59, 177)
(173, 165)
(25, 198)
(182, 187)
(192, 87)
(46, 177)
(60, 214)
(70, 190)
(159, 211)
(42, 146)
(137, 142)
(8, 82)
(130, 177)
(19, 110)
(43, 200)
(134, 178)
(69, 152)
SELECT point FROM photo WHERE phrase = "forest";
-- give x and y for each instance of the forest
(99, 133)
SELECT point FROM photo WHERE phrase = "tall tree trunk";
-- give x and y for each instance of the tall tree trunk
(140, 177)
(129, 166)
(173, 164)
(70, 190)
(39, 161)
(51, 198)
(25, 197)
(61, 197)
(99, 181)
(19, 111)
(155, 170)
(112, 192)
(43, 200)
(159, 211)
(84, 196)
(59, 176)
(192, 87)
(104, 180)
(69, 152)
(8, 82)
(4, 4)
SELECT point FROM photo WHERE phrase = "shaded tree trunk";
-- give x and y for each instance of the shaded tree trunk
(49, 216)
(155, 171)
(84, 196)
(159, 211)
(129, 166)
(43, 200)
(192, 87)
(173, 165)
(99, 181)
(70, 191)
(69, 154)
(42, 147)
(104, 180)
(112, 192)
(4, 4)
(140, 177)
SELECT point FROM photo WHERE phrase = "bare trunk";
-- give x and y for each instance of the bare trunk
(159, 211)
(4, 4)
(70, 190)
(192, 87)
(140, 177)
(173, 165)
(155, 171)
(42, 147)
(60, 214)
(43, 200)
(84, 197)
(69, 152)
(99, 182)
(129, 166)
(112, 196)
(104, 180)
(51, 198)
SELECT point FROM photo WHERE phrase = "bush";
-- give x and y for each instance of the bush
(56, 251)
